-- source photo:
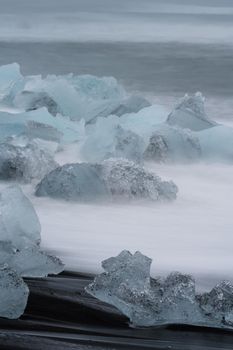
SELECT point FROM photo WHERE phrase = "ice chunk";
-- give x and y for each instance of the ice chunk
(24, 161)
(11, 81)
(189, 113)
(41, 124)
(146, 121)
(173, 144)
(113, 179)
(29, 261)
(18, 219)
(124, 179)
(13, 294)
(78, 97)
(80, 182)
(107, 139)
(132, 104)
(218, 303)
(217, 143)
(30, 101)
(127, 285)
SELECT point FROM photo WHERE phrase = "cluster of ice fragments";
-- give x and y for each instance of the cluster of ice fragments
(20, 254)
(105, 122)
(127, 285)
(112, 179)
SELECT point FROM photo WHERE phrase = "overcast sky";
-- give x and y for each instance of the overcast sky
(117, 20)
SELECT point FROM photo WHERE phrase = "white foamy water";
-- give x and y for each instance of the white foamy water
(193, 234)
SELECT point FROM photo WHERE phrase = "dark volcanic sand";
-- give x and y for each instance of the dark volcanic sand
(60, 315)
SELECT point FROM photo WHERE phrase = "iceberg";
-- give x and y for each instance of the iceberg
(173, 144)
(24, 161)
(113, 179)
(189, 113)
(127, 285)
(107, 139)
(13, 294)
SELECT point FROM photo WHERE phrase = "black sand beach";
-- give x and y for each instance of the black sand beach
(61, 315)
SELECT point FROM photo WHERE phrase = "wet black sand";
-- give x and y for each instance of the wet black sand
(60, 315)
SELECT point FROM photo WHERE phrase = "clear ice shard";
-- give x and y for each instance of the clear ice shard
(173, 144)
(24, 160)
(18, 219)
(189, 113)
(107, 139)
(11, 82)
(13, 294)
(20, 237)
(127, 285)
(114, 179)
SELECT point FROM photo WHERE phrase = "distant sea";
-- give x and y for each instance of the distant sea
(161, 71)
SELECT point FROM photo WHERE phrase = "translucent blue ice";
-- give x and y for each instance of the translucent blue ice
(127, 285)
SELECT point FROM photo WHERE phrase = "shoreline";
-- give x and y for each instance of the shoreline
(61, 315)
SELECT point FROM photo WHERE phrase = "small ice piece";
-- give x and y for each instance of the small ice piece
(77, 182)
(124, 179)
(217, 143)
(113, 179)
(107, 139)
(126, 284)
(11, 81)
(13, 294)
(24, 161)
(18, 219)
(218, 303)
(172, 144)
(189, 113)
(29, 261)
(132, 104)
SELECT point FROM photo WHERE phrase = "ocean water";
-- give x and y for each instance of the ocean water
(161, 50)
